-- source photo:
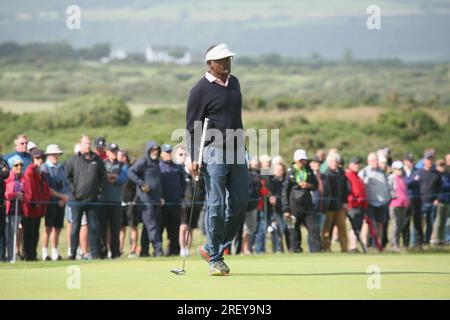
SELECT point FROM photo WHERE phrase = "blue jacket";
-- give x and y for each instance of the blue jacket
(173, 182)
(146, 171)
(413, 184)
(56, 178)
(444, 194)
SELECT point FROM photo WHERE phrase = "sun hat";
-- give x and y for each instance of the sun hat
(53, 149)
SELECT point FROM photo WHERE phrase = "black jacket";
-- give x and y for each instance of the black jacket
(147, 171)
(294, 198)
(276, 189)
(173, 183)
(337, 189)
(86, 178)
(200, 194)
(4, 174)
(430, 185)
(254, 187)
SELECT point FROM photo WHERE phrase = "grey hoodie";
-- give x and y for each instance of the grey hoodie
(146, 171)
(377, 186)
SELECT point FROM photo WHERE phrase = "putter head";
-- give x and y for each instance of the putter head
(178, 271)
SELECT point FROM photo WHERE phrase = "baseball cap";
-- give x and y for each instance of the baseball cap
(113, 147)
(100, 142)
(409, 157)
(300, 154)
(77, 148)
(357, 160)
(31, 145)
(166, 148)
(316, 159)
(429, 155)
(37, 153)
(218, 52)
(397, 165)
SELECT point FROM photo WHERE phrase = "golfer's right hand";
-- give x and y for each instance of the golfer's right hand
(195, 170)
(145, 188)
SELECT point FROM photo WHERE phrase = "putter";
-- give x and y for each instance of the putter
(197, 178)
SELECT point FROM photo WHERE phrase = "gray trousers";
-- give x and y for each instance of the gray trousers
(442, 214)
(9, 231)
(398, 219)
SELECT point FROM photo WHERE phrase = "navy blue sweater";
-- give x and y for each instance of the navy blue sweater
(173, 182)
(222, 105)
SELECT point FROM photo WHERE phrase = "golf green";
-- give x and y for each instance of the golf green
(282, 276)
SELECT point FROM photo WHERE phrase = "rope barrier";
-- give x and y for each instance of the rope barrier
(185, 201)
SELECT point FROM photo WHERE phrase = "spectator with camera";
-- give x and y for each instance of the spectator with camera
(297, 201)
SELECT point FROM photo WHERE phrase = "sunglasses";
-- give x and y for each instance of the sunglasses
(23, 143)
(39, 158)
(18, 165)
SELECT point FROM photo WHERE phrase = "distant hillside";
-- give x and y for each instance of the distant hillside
(410, 30)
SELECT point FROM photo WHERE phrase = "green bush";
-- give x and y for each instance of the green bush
(407, 125)
(90, 111)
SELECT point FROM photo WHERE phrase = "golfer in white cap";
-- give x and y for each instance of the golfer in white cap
(217, 96)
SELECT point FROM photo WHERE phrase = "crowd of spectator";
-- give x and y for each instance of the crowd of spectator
(99, 193)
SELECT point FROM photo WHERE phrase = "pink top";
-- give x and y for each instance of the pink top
(401, 199)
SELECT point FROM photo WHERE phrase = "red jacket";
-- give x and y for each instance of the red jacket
(357, 197)
(40, 192)
(264, 191)
(12, 186)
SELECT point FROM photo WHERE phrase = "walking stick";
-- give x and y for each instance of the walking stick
(16, 213)
(278, 228)
(356, 232)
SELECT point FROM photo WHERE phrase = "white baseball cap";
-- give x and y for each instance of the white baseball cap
(397, 165)
(31, 145)
(300, 154)
(77, 148)
(219, 52)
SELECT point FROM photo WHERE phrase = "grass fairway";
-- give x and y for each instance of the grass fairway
(285, 276)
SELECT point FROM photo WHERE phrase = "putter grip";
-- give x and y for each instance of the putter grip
(202, 146)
